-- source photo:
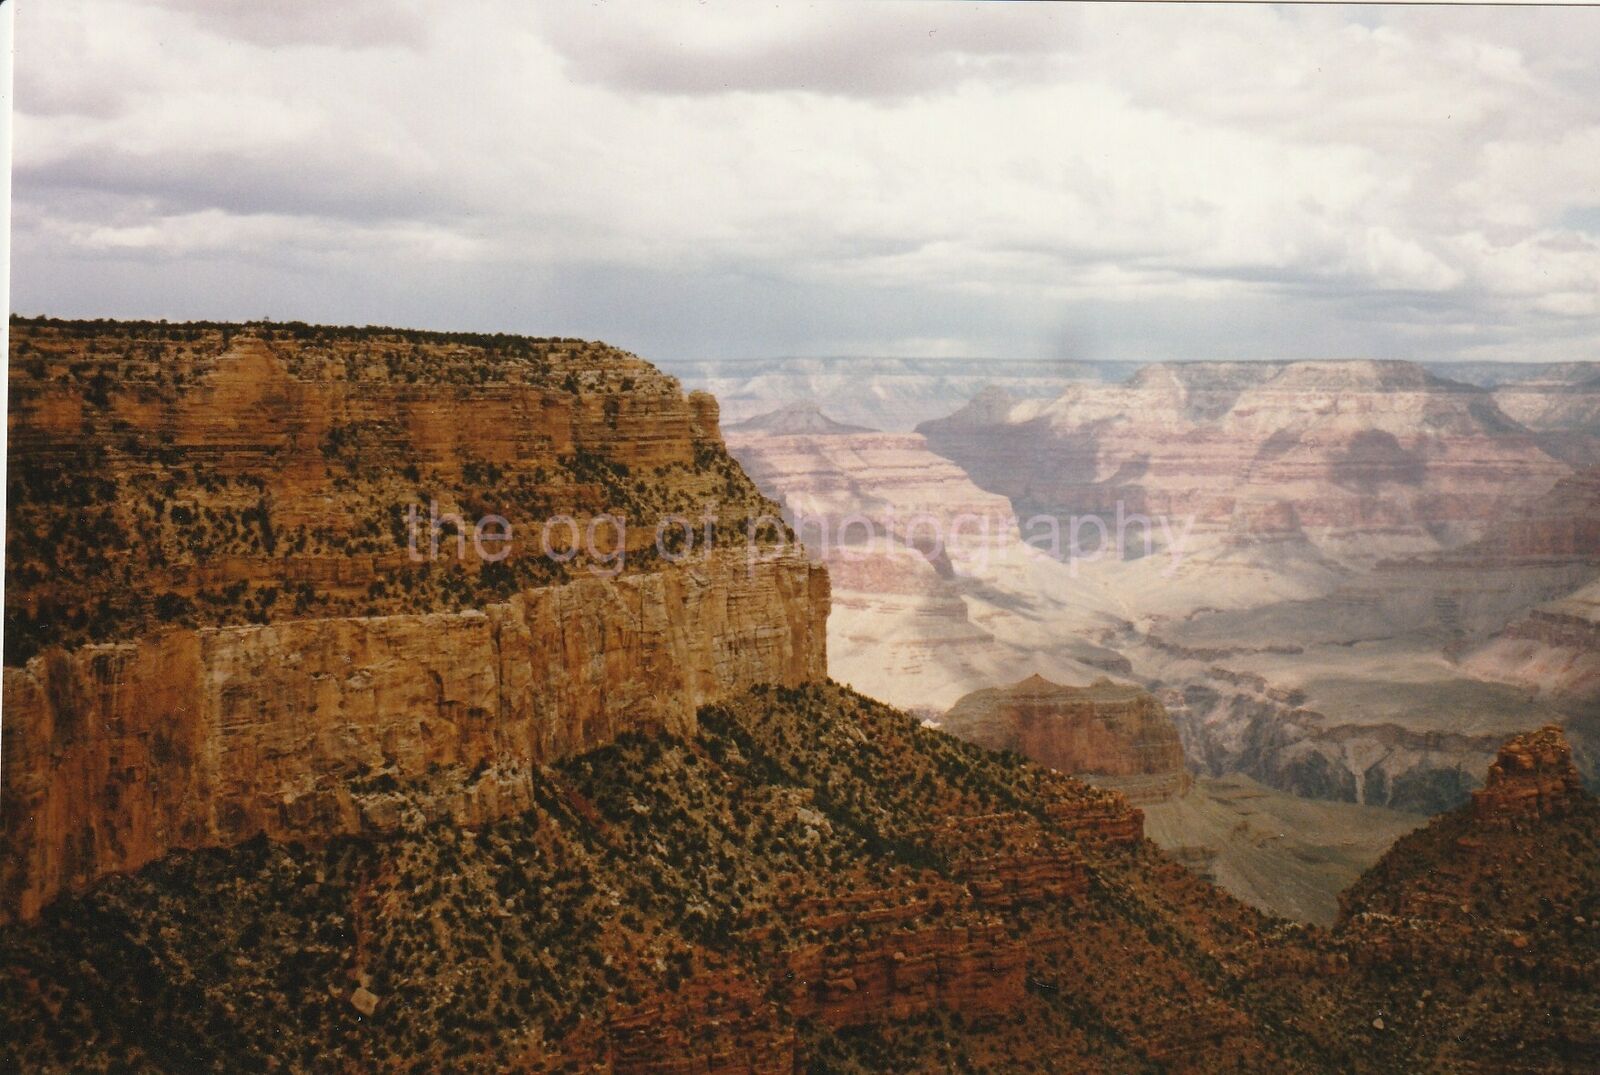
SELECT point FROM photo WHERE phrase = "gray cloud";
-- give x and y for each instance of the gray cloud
(349, 24)
(869, 50)
(986, 179)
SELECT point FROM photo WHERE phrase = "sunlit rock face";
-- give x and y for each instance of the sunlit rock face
(220, 622)
(212, 474)
(1532, 777)
(117, 753)
(905, 535)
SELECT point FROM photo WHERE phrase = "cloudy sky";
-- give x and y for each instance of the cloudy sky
(713, 180)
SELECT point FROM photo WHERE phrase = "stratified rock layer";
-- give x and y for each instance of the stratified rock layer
(1366, 459)
(117, 753)
(205, 475)
(900, 528)
(1554, 648)
(1105, 729)
(1533, 777)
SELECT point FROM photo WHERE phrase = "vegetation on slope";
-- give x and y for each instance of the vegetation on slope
(669, 891)
(145, 488)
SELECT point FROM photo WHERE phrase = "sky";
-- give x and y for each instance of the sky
(715, 180)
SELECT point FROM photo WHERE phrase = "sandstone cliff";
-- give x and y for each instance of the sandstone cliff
(117, 753)
(222, 623)
(202, 475)
(1105, 729)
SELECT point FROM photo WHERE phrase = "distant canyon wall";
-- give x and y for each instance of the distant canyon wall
(1117, 735)
(117, 753)
(1368, 459)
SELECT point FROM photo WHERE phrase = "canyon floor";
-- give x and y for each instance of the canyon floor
(1283, 853)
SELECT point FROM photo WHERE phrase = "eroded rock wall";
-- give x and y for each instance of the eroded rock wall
(116, 753)
(1105, 729)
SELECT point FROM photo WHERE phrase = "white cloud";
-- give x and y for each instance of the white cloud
(991, 178)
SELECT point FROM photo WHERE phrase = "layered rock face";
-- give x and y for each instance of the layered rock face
(1381, 454)
(1555, 648)
(202, 475)
(1563, 404)
(843, 491)
(1105, 729)
(896, 963)
(1336, 546)
(901, 531)
(892, 394)
(1563, 524)
(117, 753)
(1531, 778)
(221, 513)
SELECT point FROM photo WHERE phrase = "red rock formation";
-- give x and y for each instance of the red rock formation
(1533, 777)
(117, 753)
(1010, 860)
(1106, 729)
(893, 954)
(1375, 451)
(1104, 820)
(715, 1024)
(221, 474)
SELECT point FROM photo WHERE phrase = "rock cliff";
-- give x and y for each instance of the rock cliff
(1106, 729)
(1366, 459)
(221, 622)
(203, 475)
(119, 752)
(1555, 648)
(903, 532)
(1531, 778)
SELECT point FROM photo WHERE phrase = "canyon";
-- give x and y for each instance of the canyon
(278, 794)
(879, 392)
(218, 627)
(117, 753)
(1346, 581)
(1355, 533)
